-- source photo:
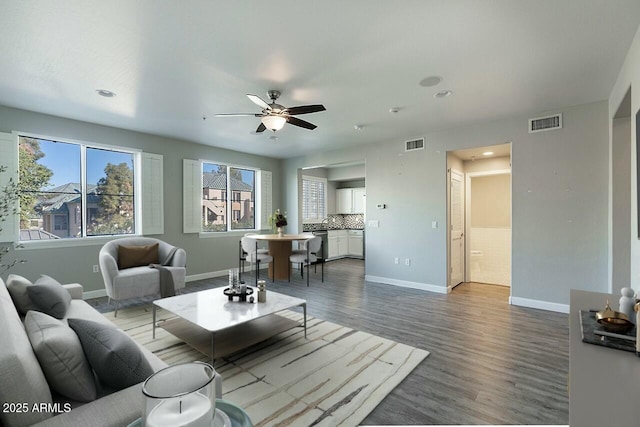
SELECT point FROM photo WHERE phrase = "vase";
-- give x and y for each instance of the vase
(280, 231)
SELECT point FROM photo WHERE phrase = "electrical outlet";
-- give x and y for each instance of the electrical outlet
(407, 262)
(96, 269)
(396, 260)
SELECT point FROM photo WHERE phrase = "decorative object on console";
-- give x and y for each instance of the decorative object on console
(182, 395)
(627, 301)
(613, 321)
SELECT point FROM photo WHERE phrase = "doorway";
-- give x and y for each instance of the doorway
(479, 216)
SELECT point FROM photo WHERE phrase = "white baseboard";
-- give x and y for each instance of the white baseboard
(219, 273)
(406, 284)
(94, 294)
(542, 305)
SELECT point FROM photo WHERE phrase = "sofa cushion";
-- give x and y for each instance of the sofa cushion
(17, 287)
(49, 296)
(61, 357)
(21, 378)
(114, 356)
(136, 256)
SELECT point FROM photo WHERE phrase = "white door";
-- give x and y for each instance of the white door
(457, 229)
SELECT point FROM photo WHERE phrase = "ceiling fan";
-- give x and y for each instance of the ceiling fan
(274, 116)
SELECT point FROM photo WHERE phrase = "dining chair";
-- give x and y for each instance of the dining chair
(242, 255)
(253, 255)
(311, 255)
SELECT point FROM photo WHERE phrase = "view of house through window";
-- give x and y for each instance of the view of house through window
(53, 202)
(220, 213)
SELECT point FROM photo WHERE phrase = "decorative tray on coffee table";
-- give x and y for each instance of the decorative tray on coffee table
(242, 297)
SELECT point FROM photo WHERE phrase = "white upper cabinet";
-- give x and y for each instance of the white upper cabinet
(350, 201)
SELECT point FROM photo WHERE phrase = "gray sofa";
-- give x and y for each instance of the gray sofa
(23, 382)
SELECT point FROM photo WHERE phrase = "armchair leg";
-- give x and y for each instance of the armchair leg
(116, 313)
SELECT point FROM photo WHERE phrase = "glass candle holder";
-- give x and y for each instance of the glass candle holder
(180, 395)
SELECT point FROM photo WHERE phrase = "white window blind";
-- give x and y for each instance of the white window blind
(9, 159)
(314, 199)
(152, 194)
(191, 196)
(266, 202)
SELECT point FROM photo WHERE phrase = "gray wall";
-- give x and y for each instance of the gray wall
(629, 79)
(73, 264)
(559, 194)
(621, 204)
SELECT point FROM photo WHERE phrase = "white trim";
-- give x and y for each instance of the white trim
(94, 294)
(542, 305)
(406, 284)
(70, 242)
(220, 273)
(90, 144)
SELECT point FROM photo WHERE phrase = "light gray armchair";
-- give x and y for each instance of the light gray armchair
(139, 281)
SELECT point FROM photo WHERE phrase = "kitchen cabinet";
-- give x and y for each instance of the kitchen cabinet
(356, 243)
(344, 243)
(338, 243)
(350, 201)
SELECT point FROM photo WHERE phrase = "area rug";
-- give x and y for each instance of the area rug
(335, 377)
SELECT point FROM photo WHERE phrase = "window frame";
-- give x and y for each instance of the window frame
(317, 179)
(85, 240)
(227, 196)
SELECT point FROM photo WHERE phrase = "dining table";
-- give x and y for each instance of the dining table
(280, 250)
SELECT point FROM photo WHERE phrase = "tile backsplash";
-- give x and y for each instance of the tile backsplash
(338, 222)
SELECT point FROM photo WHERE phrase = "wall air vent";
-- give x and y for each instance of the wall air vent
(540, 124)
(414, 144)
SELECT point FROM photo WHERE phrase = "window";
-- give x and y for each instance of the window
(314, 199)
(73, 190)
(218, 181)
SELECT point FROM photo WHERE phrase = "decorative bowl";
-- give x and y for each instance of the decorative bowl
(613, 321)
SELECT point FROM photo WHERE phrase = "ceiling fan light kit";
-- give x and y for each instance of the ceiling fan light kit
(275, 116)
(274, 123)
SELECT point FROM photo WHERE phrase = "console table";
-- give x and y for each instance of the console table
(604, 383)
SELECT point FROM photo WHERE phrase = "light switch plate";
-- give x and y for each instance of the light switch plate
(434, 224)
(373, 223)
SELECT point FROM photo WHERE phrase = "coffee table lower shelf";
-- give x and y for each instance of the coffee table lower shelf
(227, 341)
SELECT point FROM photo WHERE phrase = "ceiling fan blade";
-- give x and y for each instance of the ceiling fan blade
(258, 101)
(305, 109)
(301, 123)
(261, 128)
(239, 115)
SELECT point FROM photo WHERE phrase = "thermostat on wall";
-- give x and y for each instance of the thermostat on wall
(381, 206)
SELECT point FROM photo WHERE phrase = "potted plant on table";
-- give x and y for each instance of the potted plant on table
(278, 221)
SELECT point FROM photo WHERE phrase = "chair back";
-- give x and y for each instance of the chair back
(315, 243)
(248, 244)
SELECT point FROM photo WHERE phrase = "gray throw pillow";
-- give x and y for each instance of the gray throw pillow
(17, 287)
(61, 358)
(49, 296)
(114, 356)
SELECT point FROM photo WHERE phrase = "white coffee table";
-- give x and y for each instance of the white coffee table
(215, 326)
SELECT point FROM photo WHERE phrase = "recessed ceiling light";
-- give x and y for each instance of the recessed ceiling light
(488, 153)
(430, 81)
(357, 127)
(106, 93)
(443, 94)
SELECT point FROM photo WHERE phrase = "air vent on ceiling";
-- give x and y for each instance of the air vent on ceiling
(540, 124)
(414, 144)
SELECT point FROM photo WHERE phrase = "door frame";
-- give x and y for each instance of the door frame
(467, 219)
(463, 181)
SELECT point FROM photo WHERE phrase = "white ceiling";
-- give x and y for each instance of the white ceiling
(171, 62)
(498, 150)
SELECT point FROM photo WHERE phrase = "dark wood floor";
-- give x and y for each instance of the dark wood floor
(490, 363)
